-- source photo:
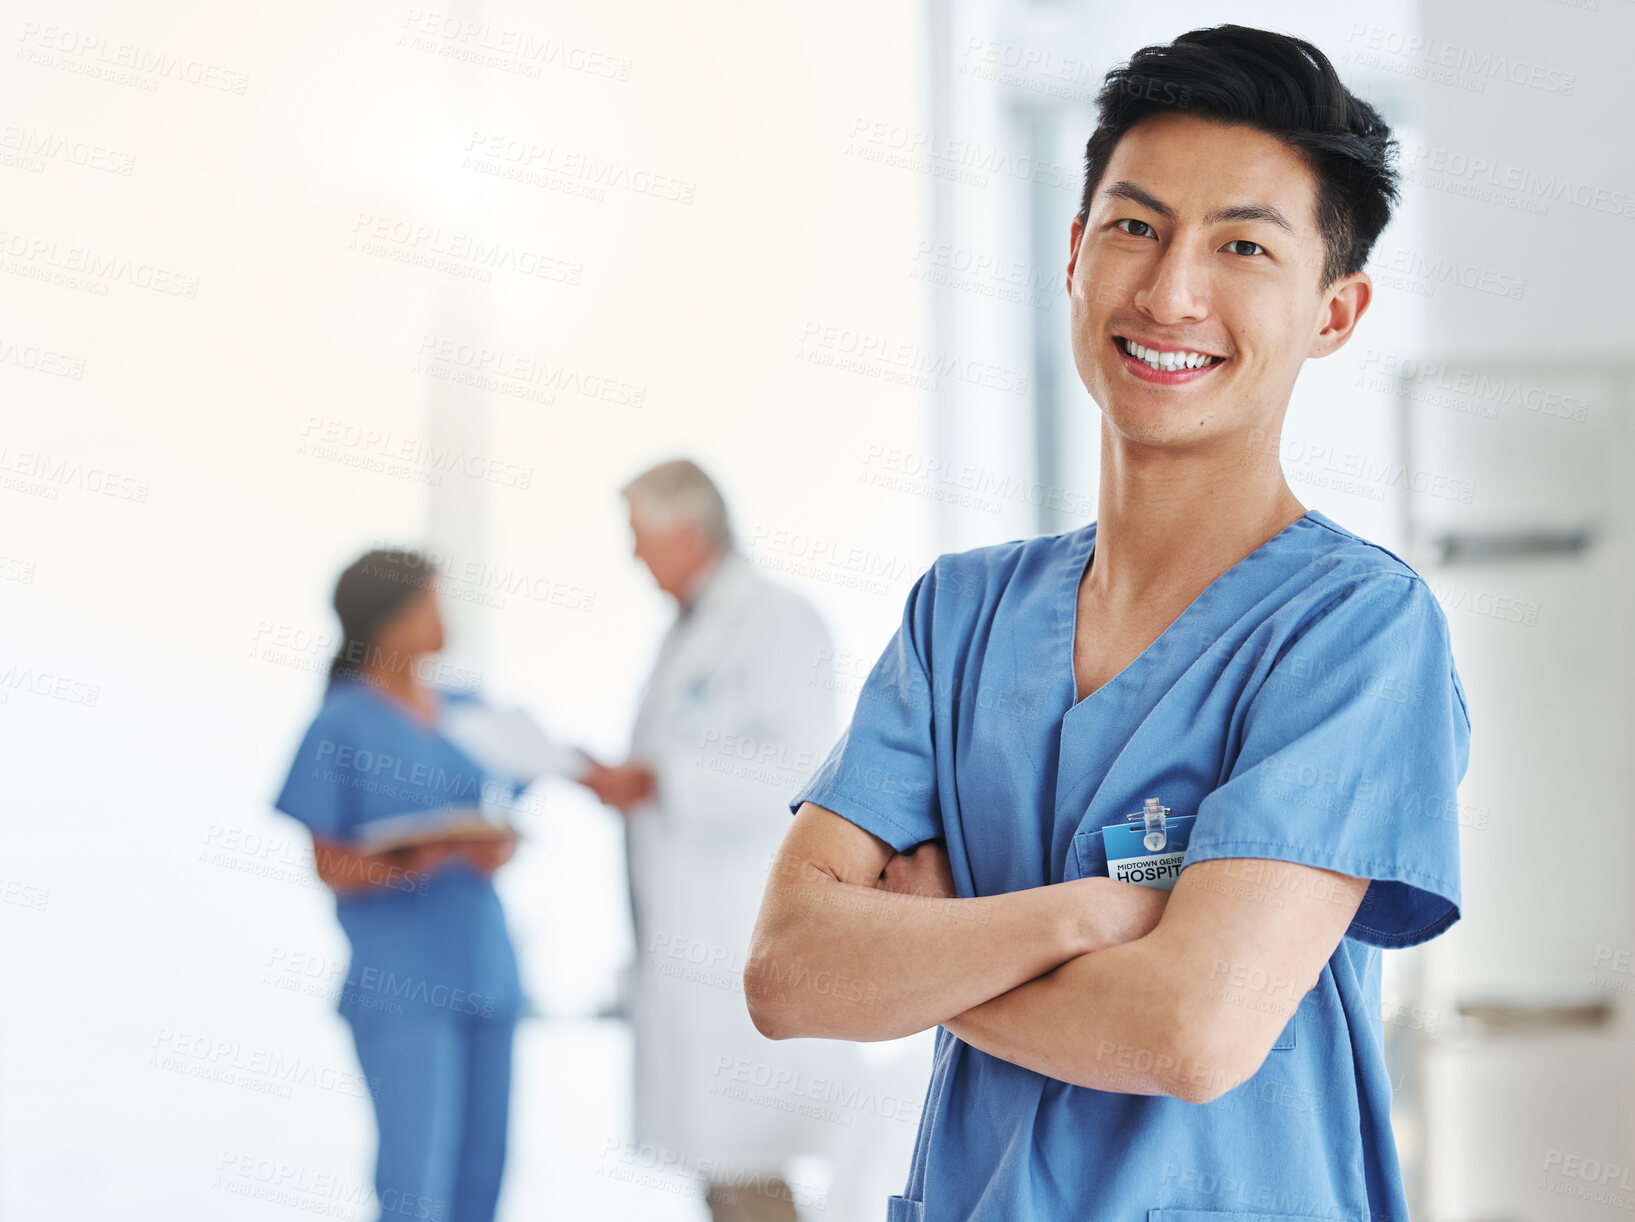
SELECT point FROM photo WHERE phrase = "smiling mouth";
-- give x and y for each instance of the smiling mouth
(1166, 362)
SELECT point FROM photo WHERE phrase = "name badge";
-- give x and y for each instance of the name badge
(1148, 849)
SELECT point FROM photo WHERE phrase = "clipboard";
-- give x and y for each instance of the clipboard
(423, 827)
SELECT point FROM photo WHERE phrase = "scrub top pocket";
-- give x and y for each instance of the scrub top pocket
(1088, 856)
(1225, 1215)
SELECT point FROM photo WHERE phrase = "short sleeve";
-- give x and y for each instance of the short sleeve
(882, 774)
(315, 791)
(1350, 758)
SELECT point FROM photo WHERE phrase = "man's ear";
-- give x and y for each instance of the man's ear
(1342, 309)
(1075, 235)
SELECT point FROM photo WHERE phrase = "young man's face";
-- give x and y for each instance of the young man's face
(1241, 291)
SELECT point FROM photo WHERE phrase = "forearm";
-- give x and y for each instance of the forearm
(348, 871)
(846, 961)
(1116, 1019)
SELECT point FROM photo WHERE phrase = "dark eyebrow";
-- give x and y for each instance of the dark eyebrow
(1124, 189)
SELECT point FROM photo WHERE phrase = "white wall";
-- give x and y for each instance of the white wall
(191, 598)
(1530, 206)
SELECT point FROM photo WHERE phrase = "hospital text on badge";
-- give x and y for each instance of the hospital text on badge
(1149, 849)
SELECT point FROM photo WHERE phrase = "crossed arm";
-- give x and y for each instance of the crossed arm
(1096, 982)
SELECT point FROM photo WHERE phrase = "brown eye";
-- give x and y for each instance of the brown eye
(1258, 248)
(1129, 220)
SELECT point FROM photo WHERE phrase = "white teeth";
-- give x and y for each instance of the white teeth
(1166, 360)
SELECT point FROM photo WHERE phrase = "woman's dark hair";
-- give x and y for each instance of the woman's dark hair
(1277, 84)
(370, 590)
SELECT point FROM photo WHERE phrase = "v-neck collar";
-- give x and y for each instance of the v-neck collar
(1074, 577)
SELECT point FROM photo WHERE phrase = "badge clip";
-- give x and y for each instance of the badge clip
(1153, 815)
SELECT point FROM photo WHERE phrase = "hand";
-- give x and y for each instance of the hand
(347, 870)
(923, 870)
(488, 854)
(624, 786)
(424, 858)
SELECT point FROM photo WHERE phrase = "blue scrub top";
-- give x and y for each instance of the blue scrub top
(1305, 707)
(425, 946)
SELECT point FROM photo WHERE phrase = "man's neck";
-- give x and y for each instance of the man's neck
(1167, 523)
(692, 585)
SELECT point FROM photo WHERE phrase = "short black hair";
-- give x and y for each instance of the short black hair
(1278, 84)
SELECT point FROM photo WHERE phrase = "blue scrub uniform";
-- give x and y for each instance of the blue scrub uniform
(1305, 707)
(432, 991)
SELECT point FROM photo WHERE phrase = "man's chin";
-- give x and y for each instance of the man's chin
(1161, 425)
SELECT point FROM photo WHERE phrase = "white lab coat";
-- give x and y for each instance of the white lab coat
(734, 719)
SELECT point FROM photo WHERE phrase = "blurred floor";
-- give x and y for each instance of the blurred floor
(227, 1132)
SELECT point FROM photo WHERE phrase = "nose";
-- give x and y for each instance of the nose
(1176, 287)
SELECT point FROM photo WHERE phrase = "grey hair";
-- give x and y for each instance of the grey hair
(679, 491)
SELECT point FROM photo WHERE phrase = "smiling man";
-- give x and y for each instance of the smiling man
(1210, 688)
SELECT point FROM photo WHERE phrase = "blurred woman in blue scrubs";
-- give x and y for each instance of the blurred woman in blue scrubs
(432, 991)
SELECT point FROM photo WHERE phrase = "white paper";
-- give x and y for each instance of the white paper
(510, 744)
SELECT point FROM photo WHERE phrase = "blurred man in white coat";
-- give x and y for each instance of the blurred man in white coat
(734, 718)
